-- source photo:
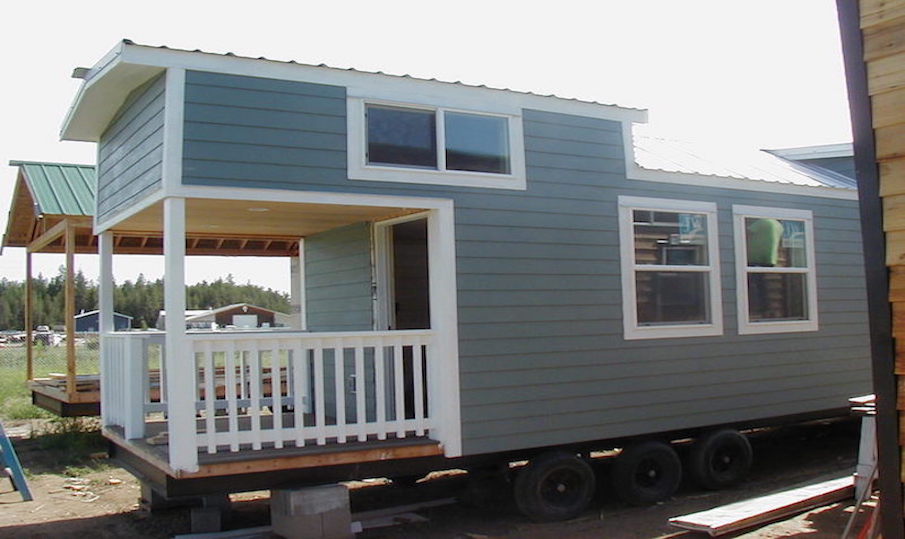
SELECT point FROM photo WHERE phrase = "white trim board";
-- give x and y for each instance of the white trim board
(173, 127)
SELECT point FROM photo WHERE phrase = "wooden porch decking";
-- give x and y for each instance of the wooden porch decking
(154, 451)
(51, 394)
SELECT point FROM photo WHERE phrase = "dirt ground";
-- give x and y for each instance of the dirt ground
(101, 501)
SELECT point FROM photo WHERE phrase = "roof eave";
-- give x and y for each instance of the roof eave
(102, 93)
(129, 65)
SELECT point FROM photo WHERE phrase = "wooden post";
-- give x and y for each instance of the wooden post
(69, 311)
(29, 345)
(179, 357)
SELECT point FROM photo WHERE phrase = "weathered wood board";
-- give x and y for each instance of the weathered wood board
(748, 513)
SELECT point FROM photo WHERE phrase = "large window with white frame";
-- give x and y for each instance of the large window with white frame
(775, 270)
(670, 268)
(436, 145)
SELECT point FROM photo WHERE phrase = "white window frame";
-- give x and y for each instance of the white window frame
(359, 169)
(745, 325)
(632, 330)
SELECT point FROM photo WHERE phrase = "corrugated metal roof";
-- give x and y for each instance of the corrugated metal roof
(353, 70)
(60, 188)
(661, 154)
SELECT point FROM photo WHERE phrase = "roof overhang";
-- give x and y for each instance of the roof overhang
(107, 85)
(104, 90)
(823, 151)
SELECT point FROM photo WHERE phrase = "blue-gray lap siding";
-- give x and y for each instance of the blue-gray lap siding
(542, 356)
(338, 279)
(130, 152)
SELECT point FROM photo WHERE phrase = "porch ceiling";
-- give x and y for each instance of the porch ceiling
(242, 227)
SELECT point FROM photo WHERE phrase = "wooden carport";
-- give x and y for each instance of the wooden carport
(52, 212)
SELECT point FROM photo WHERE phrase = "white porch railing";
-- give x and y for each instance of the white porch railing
(132, 379)
(273, 389)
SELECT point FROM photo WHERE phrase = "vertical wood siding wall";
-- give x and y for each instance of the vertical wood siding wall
(542, 356)
(130, 152)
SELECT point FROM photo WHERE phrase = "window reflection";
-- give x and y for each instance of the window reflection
(398, 136)
(670, 238)
(477, 143)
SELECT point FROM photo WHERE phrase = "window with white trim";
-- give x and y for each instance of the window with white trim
(775, 270)
(670, 268)
(423, 144)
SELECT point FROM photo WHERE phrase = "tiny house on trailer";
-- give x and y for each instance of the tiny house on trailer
(477, 275)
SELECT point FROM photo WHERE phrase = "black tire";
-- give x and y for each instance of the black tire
(646, 473)
(554, 486)
(720, 459)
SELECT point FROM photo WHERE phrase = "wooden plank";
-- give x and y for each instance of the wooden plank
(884, 41)
(895, 248)
(332, 458)
(894, 213)
(887, 107)
(898, 320)
(890, 142)
(881, 13)
(886, 74)
(69, 306)
(29, 338)
(892, 176)
(897, 284)
(748, 513)
(900, 396)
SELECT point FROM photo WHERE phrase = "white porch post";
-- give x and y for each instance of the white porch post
(105, 313)
(180, 360)
(443, 375)
(297, 288)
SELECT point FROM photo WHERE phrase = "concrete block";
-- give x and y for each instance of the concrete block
(320, 512)
(206, 519)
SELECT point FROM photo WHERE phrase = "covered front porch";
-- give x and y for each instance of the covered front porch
(224, 401)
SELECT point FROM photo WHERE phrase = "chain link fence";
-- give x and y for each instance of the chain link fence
(49, 354)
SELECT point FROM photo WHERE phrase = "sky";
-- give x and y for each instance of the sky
(750, 73)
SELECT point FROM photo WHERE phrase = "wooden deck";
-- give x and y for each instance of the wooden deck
(51, 394)
(153, 450)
